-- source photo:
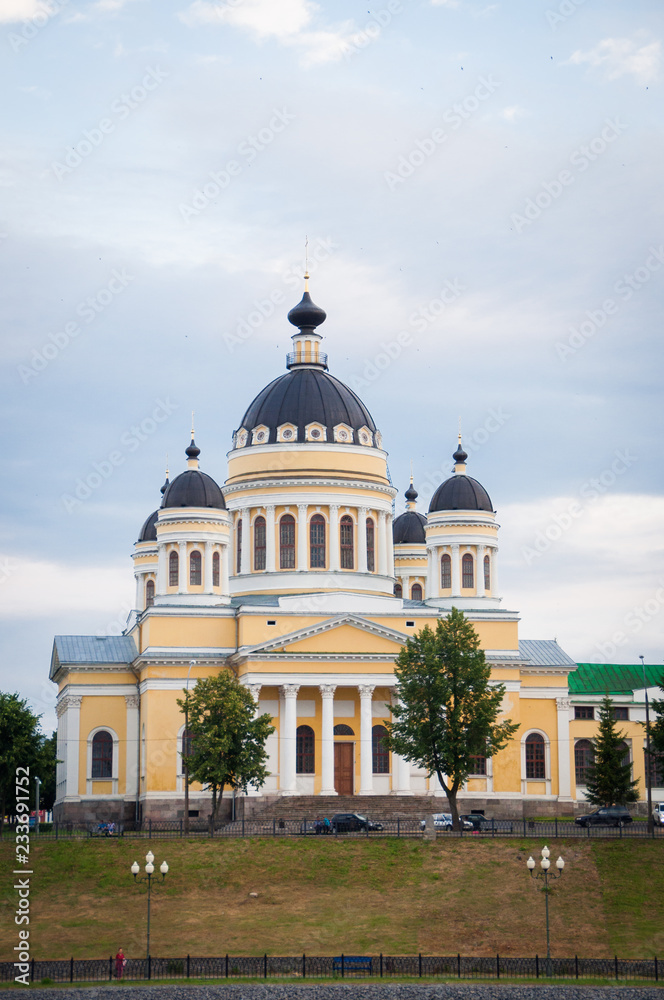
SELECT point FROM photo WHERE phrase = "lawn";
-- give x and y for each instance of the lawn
(325, 896)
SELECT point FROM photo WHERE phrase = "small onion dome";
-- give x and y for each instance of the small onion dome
(193, 488)
(460, 492)
(409, 528)
(148, 532)
(460, 455)
(306, 314)
(411, 494)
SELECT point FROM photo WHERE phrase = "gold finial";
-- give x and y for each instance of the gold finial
(411, 472)
(459, 430)
(167, 473)
(306, 263)
(192, 425)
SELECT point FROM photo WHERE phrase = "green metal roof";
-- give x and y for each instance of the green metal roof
(612, 678)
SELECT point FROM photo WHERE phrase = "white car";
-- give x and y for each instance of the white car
(658, 814)
(443, 821)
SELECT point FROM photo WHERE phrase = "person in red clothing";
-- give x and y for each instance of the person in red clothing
(120, 962)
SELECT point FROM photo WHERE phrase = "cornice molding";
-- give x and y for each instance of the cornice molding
(281, 483)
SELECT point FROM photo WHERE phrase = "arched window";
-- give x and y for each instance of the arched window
(398, 590)
(371, 545)
(535, 757)
(445, 572)
(487, 573)
(287, 542)
(416, 592)
(317, 542)
(346, 541)
(583, 759)
(259, 543)
(379, 752)
(149, 593)
(216, 576)
(195, 561)
(305, 750)
(343, 730)
(238, 546)
(467, 575)
(102, 755)
(173, 569)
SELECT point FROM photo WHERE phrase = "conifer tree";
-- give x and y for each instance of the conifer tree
(447, 709)
(609, 779)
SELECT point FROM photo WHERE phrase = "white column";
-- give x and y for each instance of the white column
(456, 581)
(131, 763)
(432, 589)
(390, 546)
(494, 571)
(335, 556)
(162, 571)
(479, 571)
(366, 757)
(382, 544)
(327, 742)
(287, 739)
(223, 578)
(140, 591)
(564, 754)
(362, 540)
(182, 567)
(302, 561)
(246, 541)
(208, 568)
(73, 726)
(255, 690)
(270, 546)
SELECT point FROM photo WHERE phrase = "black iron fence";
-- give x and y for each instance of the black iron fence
(305, 827)
(83, 970)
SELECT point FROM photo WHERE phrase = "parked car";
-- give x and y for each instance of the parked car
(352, 822)
(606, 816)
(443, 821)
(658, 814)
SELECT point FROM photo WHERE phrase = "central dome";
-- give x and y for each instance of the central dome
(305, 396)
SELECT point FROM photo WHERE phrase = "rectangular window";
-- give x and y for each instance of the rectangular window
(259, 543)
(287, 542)
(371, 557)
(317, 542)
(584, 712)
(621, 713)
(479, 764)
(535, 759)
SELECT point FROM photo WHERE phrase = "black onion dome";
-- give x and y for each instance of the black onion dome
(304, 396)
(460, 455)
(148, 532)
(193, 488)
(460, 493)
(411, 494)
(409, 528)
(306, 314)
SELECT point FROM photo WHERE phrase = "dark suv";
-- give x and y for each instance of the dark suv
(606, 816)
(481, 823)
(352, 822)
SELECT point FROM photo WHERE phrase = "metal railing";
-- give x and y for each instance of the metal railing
(85, 970)
(398, 827)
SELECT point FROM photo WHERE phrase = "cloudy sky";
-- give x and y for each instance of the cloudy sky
(480, 184)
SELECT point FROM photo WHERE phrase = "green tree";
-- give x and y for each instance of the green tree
(46, 768)
(657, 731)
(609, 779)
(227, 741)
(21, 745)
(447, 709)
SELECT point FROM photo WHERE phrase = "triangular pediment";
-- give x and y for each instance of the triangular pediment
(340, 634)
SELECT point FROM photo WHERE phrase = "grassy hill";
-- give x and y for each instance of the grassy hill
(324, 896)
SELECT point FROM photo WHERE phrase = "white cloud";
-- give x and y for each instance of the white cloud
(513, 112)
(621, 56)
(34, 589)
(12, 11)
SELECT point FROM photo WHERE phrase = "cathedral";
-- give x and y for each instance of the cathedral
(295, 575)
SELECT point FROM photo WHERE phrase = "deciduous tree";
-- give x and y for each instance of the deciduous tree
(227, 740)
(447, 711)
(21, 745)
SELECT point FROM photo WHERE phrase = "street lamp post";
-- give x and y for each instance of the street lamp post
(544, 874)
(185, 744)
(148, 879)
(648, 771)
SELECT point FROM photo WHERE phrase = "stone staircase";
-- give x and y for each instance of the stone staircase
(376, 807)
